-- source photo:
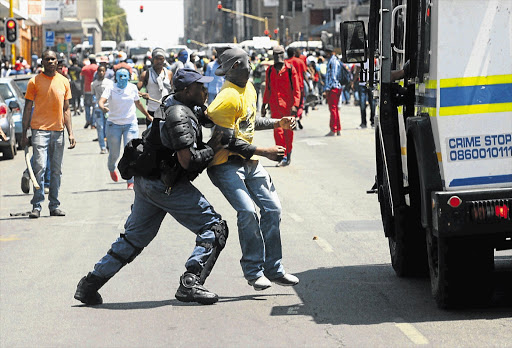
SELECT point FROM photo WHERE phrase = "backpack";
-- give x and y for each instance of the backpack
(144, 156)
(343, 75)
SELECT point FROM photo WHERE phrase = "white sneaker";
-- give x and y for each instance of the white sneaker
(286, 280)
(260, 283)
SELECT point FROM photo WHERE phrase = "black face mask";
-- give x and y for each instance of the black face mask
(240, 75)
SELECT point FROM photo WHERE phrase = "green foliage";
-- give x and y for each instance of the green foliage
(115, 26)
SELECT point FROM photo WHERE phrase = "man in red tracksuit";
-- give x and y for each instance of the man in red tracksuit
(295, 59)
(282, 94)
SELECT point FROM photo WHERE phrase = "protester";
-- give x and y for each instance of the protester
(156, 80)
(333, 90)
(214, 86)
(282, 94)
(243, 180)
(298, 62)
(74, 73)
(49, 94)
(179, 145)
(98, 87)
(122, 99)
(87, 73)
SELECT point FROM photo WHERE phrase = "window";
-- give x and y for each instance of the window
(298, 5)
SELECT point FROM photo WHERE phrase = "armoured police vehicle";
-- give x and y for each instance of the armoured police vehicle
(443, 136)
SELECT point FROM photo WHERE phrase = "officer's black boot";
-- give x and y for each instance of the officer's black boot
(191, 290)
(87, 289)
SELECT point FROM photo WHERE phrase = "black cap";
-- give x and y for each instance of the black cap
(185, 77)
(228, 58)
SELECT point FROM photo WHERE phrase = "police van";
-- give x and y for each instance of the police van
(443, 136)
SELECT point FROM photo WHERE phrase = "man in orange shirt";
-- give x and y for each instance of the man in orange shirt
(49, 93)
(282, 94)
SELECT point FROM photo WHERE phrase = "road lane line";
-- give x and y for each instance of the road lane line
(324, 245)
(412, 333)
(296, 217)
(9, 238)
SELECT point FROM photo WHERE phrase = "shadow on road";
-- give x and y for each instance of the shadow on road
(173, 302)
(373, 294)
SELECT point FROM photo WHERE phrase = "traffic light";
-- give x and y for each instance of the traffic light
(189, 41)
(276, 31)
(11, 30)
(2, 41)
(219, 6)
(141, 8)
(266, 32)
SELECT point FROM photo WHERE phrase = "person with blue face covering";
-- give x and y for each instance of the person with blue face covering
(123, 98)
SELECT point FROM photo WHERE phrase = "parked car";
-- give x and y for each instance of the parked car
(22, 81)
(9, 91)
(7, 145)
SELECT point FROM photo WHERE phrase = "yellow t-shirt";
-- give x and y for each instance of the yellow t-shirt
(234, 108)
(48, 94)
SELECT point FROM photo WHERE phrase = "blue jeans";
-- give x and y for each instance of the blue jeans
(363, 97)
(114, 134)
(185, 203)
(245, 183)
(47, 144)
(101, 122)
(88, 104)
(47, 172)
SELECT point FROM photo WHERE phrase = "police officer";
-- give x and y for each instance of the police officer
(181, 157)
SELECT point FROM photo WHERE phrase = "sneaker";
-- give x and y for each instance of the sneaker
(87, 124)
(191, 290)
(57, 212)
(284, 162)
(300, 124)
(129, 186)
(286, 280)
(114, 176)
(260, 283)
(25, 183)
(373, 125)
(338, 133)
(103, 151)
(93, 127)
(34, 214)
(46, 190)
(95, 139)
(362, 126)
(330, 134)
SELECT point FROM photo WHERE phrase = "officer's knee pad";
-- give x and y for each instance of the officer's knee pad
(125, 260)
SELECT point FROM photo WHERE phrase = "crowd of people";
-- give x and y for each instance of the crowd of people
(232, 93)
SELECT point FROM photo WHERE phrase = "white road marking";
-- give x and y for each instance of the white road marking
(312, 142)
(324, 245)
(293, 310)
(296, 217)
(411, 332)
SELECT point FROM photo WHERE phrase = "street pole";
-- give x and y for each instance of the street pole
(13, 45)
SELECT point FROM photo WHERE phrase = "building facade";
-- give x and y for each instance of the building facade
(284, 20)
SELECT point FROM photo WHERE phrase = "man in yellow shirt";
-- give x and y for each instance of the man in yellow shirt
(242, 179)
(49, 93)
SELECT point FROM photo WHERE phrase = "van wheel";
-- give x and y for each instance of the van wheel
(460, 271)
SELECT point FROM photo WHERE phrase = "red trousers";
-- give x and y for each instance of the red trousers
(333, 97)
(284, 137)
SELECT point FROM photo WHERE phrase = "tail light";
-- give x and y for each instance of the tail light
(491, 210)
(3, 110)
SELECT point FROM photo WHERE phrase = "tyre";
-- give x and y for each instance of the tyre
(406, 238)
(9, 151)
(460, 271)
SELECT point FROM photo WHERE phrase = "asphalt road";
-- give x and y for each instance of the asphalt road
(348, 295)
